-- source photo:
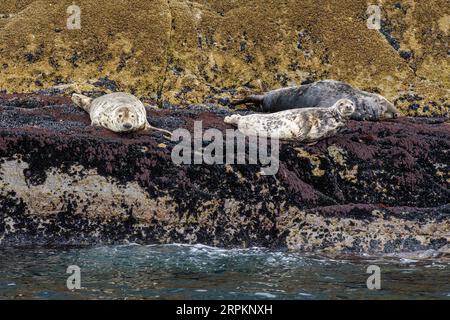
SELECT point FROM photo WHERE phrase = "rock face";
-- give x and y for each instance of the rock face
(189, 52)
(376, 187)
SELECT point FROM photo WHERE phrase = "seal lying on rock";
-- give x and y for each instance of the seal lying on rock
(325, 93)
(118, 112)
(308, 124)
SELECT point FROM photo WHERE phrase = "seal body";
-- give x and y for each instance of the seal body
(322, 94)
(118, 112)
(307, 124)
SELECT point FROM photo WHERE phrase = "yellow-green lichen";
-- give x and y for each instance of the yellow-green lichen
(314, 160)
(189, 51)
(337, 154)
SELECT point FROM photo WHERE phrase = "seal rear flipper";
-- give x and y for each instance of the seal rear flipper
(148, 127)
(254, 99)
(233, 119)
(82, 101)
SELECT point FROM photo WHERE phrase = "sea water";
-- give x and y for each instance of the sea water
(201, 272)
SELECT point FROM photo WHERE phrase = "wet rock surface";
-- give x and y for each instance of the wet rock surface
(375, 187)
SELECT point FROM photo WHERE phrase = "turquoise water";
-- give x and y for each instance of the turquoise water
(200, 272)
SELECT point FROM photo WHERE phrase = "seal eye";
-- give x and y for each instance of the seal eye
(120, 115)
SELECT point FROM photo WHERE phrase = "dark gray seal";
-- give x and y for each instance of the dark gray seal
(324, 94)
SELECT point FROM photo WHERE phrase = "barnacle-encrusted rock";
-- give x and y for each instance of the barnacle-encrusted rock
(376, 187)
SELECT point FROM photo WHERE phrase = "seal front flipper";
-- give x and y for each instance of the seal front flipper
(149, 127)
(82, 101)
(96, 124)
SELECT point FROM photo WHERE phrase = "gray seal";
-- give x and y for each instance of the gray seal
(119, 112)
(323, 94)
(306, 125)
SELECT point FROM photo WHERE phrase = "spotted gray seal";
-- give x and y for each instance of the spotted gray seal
(118, 112)
(325, 93)
(307, 124)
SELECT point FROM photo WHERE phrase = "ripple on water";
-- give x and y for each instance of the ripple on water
(201, 272)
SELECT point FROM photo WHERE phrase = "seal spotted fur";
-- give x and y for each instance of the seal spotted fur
(118, 112)
(322, 94)
(307, 124)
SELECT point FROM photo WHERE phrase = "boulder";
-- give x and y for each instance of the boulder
(376, 187)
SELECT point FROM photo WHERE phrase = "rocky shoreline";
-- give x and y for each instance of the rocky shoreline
(377, 187)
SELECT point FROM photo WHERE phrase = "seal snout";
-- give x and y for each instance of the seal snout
(127, 126)
(390, 115)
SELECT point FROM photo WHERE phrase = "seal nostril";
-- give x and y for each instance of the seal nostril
(127, 125)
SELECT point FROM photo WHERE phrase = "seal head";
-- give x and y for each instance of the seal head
(372, 106)
(345, 108)
(125, 119)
